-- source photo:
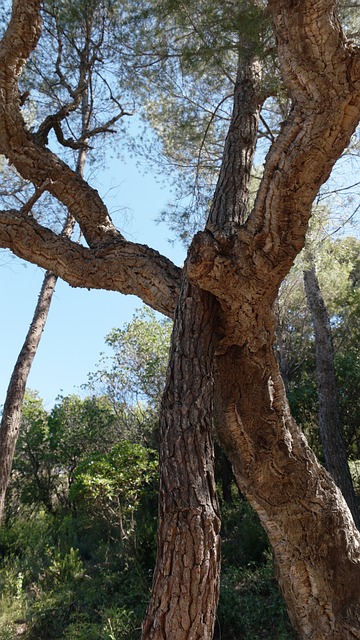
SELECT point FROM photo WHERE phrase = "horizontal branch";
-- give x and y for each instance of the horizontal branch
(122, 266)
(110, 262)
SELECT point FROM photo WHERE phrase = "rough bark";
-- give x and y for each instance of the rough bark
(332, 438)
(186, 579)
(315, 541)
(313, 537)
(230, 207)
(122, 266)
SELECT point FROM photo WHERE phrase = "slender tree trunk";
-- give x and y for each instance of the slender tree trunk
(11, 416)
(332, 438)
(10, 422)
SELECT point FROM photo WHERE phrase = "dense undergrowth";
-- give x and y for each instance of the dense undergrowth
(78, 544)
(63, 576)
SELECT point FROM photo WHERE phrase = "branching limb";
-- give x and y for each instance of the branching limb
(121, 266)
(231, 199)
(322, 76)
(34, 162)
(110, 263)
(26, 208)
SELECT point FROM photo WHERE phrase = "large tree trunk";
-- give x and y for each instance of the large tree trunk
(186, 579)
(332, 438)
(314, 540)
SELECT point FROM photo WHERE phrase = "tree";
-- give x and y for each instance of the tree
(52, 445)
(336, 264)
(332, 437)
(110, 486)
(76, 81)
(32, 474)
(11, 415)
(133, 377)
(222, 343)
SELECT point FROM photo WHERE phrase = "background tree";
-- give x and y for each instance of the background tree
(332, 437)
(305, 344)
(68, 88)
(133, 377)
(112, 485)
(51, 446)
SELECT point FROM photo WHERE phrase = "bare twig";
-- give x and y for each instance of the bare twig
(26, 208)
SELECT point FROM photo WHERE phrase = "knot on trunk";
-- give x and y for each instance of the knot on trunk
(212, 263)
(201, 259)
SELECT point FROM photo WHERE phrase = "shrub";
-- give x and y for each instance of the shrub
(251, 606)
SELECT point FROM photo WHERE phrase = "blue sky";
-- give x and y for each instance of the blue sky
(79, 319)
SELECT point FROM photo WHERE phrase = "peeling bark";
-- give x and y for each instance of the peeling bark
(315, 542)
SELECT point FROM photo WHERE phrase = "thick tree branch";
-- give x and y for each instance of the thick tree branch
(111, 263)
(231, 199)
(322, 75)
(120, 266)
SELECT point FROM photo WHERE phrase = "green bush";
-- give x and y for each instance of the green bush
(120, 624)
(251, 606)
(244, 541)
(80, 630)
